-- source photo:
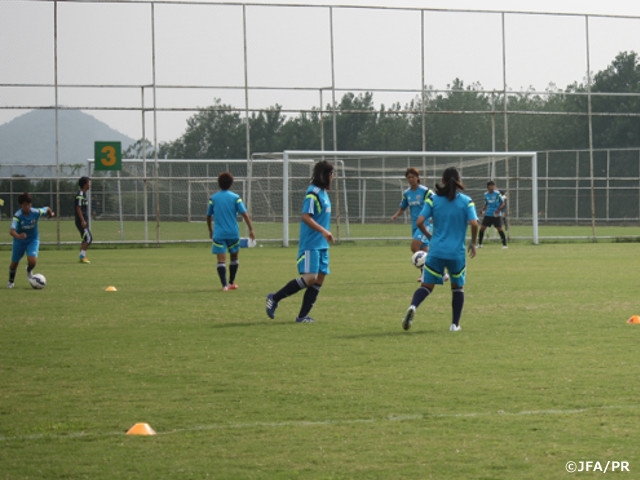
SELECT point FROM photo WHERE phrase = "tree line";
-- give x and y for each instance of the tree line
(466, 118)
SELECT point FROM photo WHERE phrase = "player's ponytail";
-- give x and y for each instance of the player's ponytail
(451, 183)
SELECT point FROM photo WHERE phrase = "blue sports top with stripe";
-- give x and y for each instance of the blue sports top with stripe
(414, 201)
(450, 220)
(28, 224)
(224, 207)
(317, 204)
(493, 200)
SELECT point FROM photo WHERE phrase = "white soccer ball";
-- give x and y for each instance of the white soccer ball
(419, 258)
(38, 281)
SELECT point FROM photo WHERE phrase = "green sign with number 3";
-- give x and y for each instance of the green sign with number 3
(108, 156)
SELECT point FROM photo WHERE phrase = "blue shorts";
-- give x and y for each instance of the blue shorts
(221, 246)
(434, 270)
(418, 235)
(313, 261)
(28, 246)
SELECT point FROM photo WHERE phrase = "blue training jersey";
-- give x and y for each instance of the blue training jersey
(317, 204)
(450, 220)
(492, 202)
(414, 201)
(224, 207)
(28, 224)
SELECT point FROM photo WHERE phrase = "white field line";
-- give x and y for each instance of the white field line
(329, 422)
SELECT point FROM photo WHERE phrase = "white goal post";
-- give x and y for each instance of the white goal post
(516, 173)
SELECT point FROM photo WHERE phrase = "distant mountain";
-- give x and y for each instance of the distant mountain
(30, 138)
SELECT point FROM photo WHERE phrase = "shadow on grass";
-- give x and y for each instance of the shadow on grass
(386, 334)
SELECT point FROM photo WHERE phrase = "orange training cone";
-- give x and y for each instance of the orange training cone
(634, 319)
(141, 429)
(111, 289)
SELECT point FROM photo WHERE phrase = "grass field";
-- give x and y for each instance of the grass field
(545, 370)
(110, 232)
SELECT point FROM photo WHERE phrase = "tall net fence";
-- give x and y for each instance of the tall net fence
(578, 196)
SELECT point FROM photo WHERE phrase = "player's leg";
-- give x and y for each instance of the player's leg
(293, 286)
(233, 265)
(313, 290)
(86, 239)
(13, 268)
(431, 276)
(219, 248)
(483, 227)
(457, 291)
(18, 250)
(498, 225)
(32, 256)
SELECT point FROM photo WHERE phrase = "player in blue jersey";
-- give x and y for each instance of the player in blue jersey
(413, 198)
(494, 204)
(313, 250)
(26, 237)
(222, 212)
(452, 211)
(82, 217)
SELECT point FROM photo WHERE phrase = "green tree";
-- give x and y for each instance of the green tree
(623, 77)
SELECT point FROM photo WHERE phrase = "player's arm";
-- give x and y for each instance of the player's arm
(210, 225)
(83, 221)
(420, 224)
(500, 208)
(247, 220)
(311, 223)
(50, 213)
(474, 238)
(16, 235)
(397, 214)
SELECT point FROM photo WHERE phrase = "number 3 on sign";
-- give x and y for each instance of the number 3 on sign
(107, 156)
(110, 158)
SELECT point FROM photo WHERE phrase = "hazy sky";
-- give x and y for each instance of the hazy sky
(289, 52)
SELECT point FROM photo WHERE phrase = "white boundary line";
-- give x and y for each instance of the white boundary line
(311, 423)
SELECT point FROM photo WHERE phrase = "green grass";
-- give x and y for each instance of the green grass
(544, 371)
(108, 232)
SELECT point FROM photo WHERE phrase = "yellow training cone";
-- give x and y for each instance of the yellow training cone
(111, 289)
(141, 429)
(634, 319)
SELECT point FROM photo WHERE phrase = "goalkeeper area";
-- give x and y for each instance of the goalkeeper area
(366, 191)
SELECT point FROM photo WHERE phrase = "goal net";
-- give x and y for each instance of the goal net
(368, 187)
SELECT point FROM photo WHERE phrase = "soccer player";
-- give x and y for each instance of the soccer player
(222, 212)
(413, 198)
(451, 211)
(26, 237)
(82, 217)
(313, 250)
(494, 203)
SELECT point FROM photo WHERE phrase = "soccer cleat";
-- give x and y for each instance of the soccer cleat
(226, 288)
(306, 319)
(10, 285)
(479, 245)
(271, 306)
(233, 286)
(84, 260)
(408, 317)
(455, 328)
(504, 246)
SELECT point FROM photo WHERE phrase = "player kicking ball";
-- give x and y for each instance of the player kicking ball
(452, 212)
(26, 236)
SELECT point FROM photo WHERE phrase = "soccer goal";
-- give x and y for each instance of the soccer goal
(368, 187)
